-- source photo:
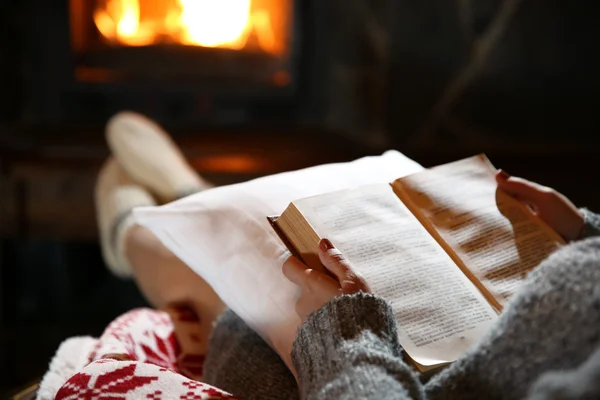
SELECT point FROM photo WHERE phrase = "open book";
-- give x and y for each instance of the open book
(444, 246)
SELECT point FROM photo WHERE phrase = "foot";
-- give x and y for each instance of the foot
(151, 158)
(116, 196)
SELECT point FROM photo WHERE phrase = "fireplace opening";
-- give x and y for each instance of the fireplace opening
(233, 24)
(231, 42)
(190, 64)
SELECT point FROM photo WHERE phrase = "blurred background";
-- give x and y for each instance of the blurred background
(255, 87)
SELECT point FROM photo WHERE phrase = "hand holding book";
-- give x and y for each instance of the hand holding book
(447, 247)
(318, 288)
(552, 207)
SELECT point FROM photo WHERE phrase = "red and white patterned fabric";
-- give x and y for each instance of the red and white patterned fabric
(144, 354)
(111, 379)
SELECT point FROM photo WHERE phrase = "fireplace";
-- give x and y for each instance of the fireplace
(235, 44)
(187, 63)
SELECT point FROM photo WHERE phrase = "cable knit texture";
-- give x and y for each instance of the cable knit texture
(349, 349)
(545, 345)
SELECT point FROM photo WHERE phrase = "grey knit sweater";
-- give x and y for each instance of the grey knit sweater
(545, 345)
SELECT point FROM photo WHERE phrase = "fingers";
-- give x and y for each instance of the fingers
(330, 257)
(349, 280)
(296, 272)
(320, 283)
(552, 207)
(317, 288)
(333, 260)
(522, 189)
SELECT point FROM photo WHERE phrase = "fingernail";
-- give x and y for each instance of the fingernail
(326, 244)
(503, 174)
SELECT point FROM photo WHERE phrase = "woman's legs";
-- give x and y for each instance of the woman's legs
(237, 360)
(148, 165)
(165, 280)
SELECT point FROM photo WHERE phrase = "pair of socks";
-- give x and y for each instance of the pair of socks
(147, 165)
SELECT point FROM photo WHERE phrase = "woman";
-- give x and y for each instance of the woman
(546, 344)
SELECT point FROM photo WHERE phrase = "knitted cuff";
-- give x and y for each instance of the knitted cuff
(122, 267)
(323, 339)
(591, 226)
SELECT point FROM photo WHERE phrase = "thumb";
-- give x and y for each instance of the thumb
(523, 190)
(334, 260)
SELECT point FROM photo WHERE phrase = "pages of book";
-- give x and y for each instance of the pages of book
(497, 238)
(439, 311)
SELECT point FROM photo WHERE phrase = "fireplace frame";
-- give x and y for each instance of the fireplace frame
(53, 95)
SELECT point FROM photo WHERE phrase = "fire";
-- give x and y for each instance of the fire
(208, 23)
(216, 23)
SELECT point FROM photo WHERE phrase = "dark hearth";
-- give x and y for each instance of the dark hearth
(94, 58)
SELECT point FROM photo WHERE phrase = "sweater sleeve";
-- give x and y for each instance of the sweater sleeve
(582, 382)
(349, 350)
(591, 225)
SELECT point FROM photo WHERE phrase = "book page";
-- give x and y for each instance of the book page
(498, 239)
(438, 310)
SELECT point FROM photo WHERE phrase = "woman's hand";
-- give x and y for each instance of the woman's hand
(552, 207)
(317, 287)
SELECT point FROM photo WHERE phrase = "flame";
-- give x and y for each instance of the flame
(129, 24)
(121, 20)
(216, 23)
(208, 23)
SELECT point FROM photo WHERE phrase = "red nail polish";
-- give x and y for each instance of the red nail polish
(326, 244)
(503, 174)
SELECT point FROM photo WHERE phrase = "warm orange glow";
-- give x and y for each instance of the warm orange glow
(121, 20)
(209, 23)
(216, 23)
(282, 78)
(236, 163)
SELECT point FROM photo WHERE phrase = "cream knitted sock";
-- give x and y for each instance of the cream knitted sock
(116, 196)
(150, 156)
